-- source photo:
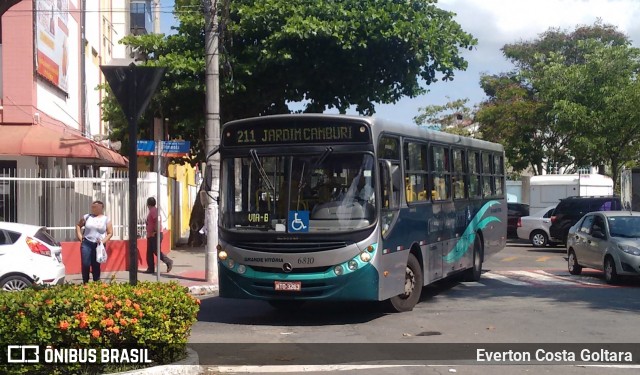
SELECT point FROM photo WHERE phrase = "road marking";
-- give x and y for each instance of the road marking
(510, 259)
(543, 259)
(574, 278)
(300, 368)
(504, 279)
(539, 278)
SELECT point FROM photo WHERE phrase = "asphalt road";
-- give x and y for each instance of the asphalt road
(525, 301)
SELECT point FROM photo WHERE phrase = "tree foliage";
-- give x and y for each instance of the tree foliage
(453, 117)
(325, 54)
(569, 101)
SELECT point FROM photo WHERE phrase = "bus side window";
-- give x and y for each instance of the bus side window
(441, 176)
(416, 172)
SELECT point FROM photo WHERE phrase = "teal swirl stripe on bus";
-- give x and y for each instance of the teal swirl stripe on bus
(469, 235)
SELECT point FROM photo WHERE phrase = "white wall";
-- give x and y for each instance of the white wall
(93, 27)
(119, 21)
(514, 191)
(50, 100)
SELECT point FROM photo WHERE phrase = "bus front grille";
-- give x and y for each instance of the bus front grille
(295, 271)
(291, 247)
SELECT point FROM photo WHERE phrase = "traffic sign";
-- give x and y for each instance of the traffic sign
(176, 149)
(146, 147)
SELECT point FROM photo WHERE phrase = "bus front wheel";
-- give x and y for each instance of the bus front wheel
(412, 287)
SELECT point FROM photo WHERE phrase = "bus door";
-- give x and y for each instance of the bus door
(393, 257)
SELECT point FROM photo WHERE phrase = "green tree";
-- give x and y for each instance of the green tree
(453, 117)
(596, 102)
(326, 54)
(543, 111)
(515, 117)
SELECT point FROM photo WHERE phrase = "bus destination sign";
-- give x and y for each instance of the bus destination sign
(290, 133)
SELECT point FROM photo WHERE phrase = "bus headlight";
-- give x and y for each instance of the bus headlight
(241, 269)
(231, 263)
(222, 255)
(353, 265)
(338, 270)
(365, 257)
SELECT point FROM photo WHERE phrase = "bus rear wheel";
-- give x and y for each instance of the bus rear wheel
(474, 273)
(412, 287)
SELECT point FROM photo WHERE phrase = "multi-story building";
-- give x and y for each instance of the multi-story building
(50, 57)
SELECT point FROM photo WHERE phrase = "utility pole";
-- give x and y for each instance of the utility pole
(212, 138)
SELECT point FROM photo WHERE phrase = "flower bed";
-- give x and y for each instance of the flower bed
(88, 319)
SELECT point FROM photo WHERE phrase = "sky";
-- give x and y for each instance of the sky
(496, 23)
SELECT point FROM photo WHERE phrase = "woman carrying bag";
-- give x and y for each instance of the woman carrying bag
(93, 229)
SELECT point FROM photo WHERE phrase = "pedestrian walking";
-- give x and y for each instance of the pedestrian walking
(152, 238)
(91, 230)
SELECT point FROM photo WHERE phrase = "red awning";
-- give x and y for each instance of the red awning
(38, 140)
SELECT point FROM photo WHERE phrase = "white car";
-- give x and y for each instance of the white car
(535, 228)
(28, 254)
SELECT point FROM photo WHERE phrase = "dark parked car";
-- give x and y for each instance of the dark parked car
(515, 212)
(572, 209)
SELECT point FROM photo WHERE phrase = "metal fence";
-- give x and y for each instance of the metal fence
(40, 197)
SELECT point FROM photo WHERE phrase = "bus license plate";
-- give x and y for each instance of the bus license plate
(288, 286)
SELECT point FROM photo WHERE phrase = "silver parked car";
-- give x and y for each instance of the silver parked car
(535, 228)
(608, 241)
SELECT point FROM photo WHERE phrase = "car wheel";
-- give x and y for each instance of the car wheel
(15, 283)
(610, 273)
(539, 239)
(412, 287)
(473, 274)
(572, 262)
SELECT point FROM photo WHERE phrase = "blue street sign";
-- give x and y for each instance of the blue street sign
(146, 147)
(176, 148)
(298, 221)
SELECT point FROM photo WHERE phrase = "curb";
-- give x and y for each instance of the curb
(203, 290)
(188, 366)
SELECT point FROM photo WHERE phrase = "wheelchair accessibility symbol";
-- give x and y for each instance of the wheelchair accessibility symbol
(298, 221)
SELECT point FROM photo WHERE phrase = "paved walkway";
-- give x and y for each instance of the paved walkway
(188, 270)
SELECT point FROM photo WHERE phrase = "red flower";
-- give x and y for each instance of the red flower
(107, 322)
(83, 324)
(118, 314)
(123, 322)
(116, 330)
(63, 325)
(109, 305)
(95, 333)
(134, 320)
(136, 306)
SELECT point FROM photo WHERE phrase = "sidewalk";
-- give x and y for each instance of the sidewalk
(188, 270)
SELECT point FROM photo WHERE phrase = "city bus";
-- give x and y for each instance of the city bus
(335, 207)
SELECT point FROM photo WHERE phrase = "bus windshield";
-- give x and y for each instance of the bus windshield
(333, 191)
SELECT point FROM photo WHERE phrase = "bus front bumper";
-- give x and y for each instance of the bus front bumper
(360, 285)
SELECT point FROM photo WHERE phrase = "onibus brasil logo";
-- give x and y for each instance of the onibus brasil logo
(32, 354)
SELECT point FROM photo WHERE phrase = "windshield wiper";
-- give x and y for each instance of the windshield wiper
(303, 175)
(263, 173)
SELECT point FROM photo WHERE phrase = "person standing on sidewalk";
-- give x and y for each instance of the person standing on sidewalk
(152, 238)
(92, 229)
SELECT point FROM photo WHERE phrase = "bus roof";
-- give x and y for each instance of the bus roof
(380, 125)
